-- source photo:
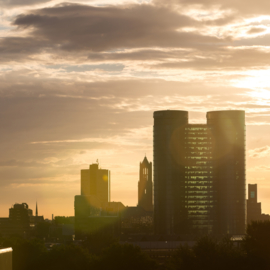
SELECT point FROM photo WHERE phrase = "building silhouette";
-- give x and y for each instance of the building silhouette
(145, 198)
(20, 213)
(96, 182)
(254, 209)
(199, 173)
(20, 221)
(94, 210)
(95, 191)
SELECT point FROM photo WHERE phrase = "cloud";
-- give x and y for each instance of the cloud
(16, 49)
(256, 30)
(242, 7)
(260, 168)
(16, 163)
(13, 3)
(259, 152)
(98, 29)
(221, 59)
(158, 35)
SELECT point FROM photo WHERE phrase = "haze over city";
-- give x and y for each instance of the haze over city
(80, 80)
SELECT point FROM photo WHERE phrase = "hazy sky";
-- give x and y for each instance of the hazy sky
(79, 81)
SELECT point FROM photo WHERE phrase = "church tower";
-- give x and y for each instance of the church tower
(145, 186)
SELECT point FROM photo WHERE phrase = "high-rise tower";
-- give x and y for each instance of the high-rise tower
(199, 173)
(96, 182)
(145, 186)
(229, 146)
(169, 208)
(254, 209)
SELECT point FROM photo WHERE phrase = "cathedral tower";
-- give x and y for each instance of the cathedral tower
(145, 186)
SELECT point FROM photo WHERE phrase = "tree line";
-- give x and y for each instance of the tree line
(103, 252)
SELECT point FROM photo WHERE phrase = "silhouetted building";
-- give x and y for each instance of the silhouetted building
(96, 182)
(254, 209)
(199, 173)
(145, 185)
(6, 228)
(169, 184)
(20, 221)
(34, 220)
(93, 209)
(136, 220)
(90, 219)
(95, 191)
(20, 215)
(265, 217)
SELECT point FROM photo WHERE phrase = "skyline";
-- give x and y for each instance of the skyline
(97, 162)
(80, 81)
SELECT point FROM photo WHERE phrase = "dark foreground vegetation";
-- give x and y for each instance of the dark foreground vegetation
(100, 252)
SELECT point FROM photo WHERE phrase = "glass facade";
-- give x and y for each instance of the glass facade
(200, 200)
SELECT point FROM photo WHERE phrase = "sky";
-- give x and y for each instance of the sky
(80, 80)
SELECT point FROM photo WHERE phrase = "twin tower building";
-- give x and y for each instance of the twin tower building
(199, 173)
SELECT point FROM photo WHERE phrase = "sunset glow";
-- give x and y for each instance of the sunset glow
(79, 81)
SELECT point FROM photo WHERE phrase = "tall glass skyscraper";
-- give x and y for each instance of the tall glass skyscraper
(199, 173)
(200, 199)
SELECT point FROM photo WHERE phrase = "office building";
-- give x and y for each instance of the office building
(199, 173)
(136, 220)
(254, 209)
(20, 213)
(96, 182)
(93, 209)
(200, 196)
(18, 222)
(145, 198)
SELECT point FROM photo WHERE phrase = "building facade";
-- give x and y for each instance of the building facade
(199, 173)
(96, 182)
(145, 185)
(200, 196)
(94, 210)
(19, 221)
